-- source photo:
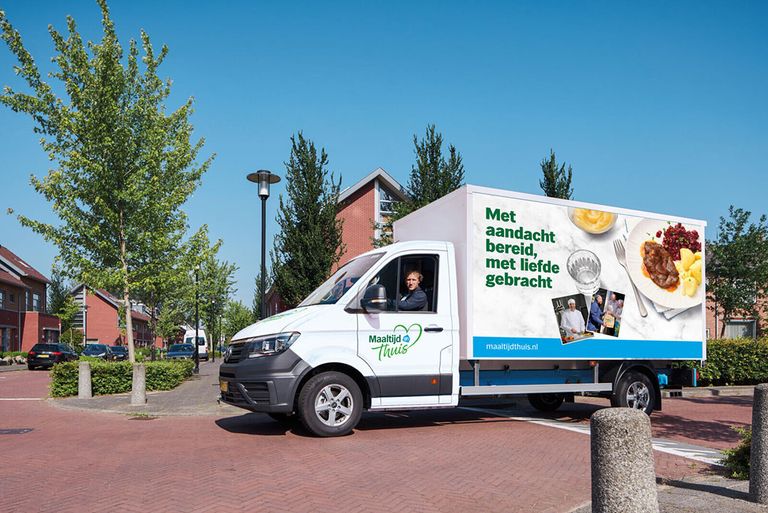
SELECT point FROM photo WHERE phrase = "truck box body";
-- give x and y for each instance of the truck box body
(512, 253)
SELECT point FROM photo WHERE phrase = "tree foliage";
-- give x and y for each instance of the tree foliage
(737, 267)
(236, 317)
(58, 291)
(123, 166)
(556, 182)
(432, 177)
(216, 286)
(309, 242)
(257, 294)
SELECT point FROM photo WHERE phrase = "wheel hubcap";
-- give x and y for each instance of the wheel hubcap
(638, 396)
(334, 405)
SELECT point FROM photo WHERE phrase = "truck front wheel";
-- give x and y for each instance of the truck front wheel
(635, 390)
(330, 404)
(546, 402)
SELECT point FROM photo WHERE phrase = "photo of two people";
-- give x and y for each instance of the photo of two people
(576, 320)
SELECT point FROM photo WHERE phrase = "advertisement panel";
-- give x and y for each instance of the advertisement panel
(556, 282)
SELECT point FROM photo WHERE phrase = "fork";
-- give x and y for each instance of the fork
(621, 256)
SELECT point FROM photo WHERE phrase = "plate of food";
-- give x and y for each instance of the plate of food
(665, 262)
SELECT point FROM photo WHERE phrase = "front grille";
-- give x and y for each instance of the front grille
(233, 396)
(258, 391)
(226, 374)
(236, 353)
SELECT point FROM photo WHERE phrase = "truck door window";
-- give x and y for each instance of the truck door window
(394, 275)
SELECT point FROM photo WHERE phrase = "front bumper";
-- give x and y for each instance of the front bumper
(267, 384)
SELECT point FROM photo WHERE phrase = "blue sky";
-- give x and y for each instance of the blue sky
(658, 106)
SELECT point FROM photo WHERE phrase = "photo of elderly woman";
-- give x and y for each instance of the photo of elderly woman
(605, 312)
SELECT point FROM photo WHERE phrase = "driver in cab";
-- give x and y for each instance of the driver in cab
(415, 298)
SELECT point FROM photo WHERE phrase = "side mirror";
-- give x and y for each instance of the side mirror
(374, 298)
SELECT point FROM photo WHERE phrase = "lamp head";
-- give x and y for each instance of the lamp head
(264, 178)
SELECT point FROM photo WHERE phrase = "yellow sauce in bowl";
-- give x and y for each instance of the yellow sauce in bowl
(593, 221)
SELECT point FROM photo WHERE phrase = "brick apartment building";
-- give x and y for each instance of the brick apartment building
(101, 323)
(23, 298)
(365, 203)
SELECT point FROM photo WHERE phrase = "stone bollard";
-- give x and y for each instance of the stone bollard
(139, 388)
(84, 390)
(623, 474)
(758, 456)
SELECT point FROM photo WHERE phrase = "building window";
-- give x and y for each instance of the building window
(386, 203)
(740, 329)
(12, 297)
(2, 299)
(36, 302)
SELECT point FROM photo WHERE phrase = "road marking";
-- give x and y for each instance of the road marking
(21, 398)
(692, 452)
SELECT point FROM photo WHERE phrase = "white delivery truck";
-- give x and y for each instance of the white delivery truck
(202, 341)
(484, 293)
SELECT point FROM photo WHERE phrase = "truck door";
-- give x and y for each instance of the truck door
(403, 344)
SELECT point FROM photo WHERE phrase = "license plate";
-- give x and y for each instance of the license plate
(42, 356)
(224, 386)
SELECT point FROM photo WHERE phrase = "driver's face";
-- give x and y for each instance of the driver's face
(412, 281)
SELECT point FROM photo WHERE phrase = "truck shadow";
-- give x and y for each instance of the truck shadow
(714, 489)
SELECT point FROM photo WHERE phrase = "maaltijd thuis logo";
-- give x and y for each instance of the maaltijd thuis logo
(396, 343)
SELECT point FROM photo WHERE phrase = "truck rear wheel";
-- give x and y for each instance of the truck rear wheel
(546, 402)
(330, 404)
(635, 390)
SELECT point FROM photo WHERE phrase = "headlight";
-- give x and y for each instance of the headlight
(270, 344)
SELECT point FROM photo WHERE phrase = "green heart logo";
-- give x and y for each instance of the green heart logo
(411, 339)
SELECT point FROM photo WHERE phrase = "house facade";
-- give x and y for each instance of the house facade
(23, 301)
(362, 207)
(101, 323)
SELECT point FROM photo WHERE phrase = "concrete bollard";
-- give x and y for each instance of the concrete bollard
(758, 456)
(139, 388)
(623, 474)
(84, 390)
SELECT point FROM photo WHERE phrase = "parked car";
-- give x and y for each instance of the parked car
(181, 352)
(98, 351)
(119, 352)
(46, 355)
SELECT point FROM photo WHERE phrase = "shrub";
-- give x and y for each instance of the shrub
(736, 460)
(116, 377)
(13, 354)
(733, 362)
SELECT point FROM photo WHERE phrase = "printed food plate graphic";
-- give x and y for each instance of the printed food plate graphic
(665, 263)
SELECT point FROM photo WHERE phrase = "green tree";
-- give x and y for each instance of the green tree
(236, 317)
(309, 242)
(256, 304)
(66, 313)
(737, 267)
(58, 291)
(432, 177)
(123, 166)
(557, 180)
(216, 287)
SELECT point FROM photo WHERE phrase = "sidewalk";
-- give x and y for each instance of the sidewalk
(196, 396)
(701, 494)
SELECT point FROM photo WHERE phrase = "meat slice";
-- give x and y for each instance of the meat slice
(660, 265)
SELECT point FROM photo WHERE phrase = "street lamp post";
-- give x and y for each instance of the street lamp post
(197, 322)
(264, 178)
(212, 330)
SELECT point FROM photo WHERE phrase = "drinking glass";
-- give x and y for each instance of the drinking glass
(584, 268)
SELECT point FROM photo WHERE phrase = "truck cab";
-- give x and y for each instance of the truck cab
(355, 343)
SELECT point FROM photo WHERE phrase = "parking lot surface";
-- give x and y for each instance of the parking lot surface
(428, 461)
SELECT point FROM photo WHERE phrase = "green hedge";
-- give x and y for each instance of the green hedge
(13, 353)
(116, 377)
(733, 362)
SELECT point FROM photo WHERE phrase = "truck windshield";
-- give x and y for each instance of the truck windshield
(341, 281)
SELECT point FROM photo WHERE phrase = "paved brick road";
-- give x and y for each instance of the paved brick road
(446, 460)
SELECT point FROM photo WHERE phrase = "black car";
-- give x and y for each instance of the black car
(98, 351)
(46, 355)
(181, 352)
(119, 352)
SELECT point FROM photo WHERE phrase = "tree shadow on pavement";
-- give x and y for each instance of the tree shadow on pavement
(668, 426)
(714, 489)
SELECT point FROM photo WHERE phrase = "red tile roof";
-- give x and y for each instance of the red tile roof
(11, 280)
(26, 270)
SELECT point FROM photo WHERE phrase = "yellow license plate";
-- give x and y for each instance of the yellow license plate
(42, 356)
(224, 386)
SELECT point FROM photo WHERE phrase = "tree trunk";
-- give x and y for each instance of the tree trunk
(126, 297)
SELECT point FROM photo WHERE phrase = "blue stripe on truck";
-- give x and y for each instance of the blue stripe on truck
(587, 349)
